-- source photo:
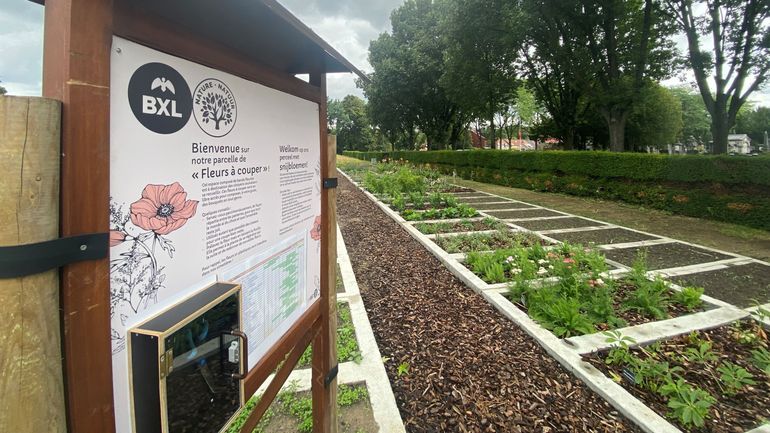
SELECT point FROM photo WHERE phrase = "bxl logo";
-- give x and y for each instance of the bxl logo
(160, 98)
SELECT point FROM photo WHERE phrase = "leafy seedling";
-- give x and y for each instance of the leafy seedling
(402, 369)
(734, 377)
(690, 405)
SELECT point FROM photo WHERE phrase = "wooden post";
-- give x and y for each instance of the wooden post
(325, 344)
(76, 71)
(31, 384)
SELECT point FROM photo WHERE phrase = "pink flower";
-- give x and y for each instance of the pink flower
(116, 238)
(568, 260)
(163, 208)
(315, 232)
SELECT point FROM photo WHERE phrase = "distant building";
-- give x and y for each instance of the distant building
(478, 141)
(515, 144)
(739, 144)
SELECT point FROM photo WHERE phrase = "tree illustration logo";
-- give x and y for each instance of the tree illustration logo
(215, 109)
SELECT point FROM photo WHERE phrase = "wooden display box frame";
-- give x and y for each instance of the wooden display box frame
(149, 405)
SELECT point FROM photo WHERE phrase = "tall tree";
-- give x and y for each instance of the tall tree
(627, 46)
(755, 122)
(354, 131)
(480, 76)
(737, 59)
(404, 89)
(696, 120)
(547, 57)
(655, 120)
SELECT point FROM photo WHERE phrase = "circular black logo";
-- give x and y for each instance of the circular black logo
(215, 107)
(160, 98)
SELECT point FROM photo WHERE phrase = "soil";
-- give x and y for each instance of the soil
(739, 413)
(457, 227)
(741, 285)
(724, 236)
(601, 237)
(561, 223)
(517, 214)
(487, 241)
(503, 206)
(664, 256)
(469, 368)
(355, 418)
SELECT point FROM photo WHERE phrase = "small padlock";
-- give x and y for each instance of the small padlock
(233, 353)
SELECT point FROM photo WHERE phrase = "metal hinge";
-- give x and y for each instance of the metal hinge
(166, 363)
(332, 375)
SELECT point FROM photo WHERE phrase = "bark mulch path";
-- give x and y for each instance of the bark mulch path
(469, 368)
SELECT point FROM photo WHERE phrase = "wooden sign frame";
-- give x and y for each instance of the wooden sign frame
(77, 44)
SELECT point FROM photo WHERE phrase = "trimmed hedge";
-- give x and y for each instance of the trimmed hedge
(724, 188)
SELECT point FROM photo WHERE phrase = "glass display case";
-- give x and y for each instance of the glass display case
(188, 363)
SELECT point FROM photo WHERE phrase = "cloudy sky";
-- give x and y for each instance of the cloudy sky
(348, 25)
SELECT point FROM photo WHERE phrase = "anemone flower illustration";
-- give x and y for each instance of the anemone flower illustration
(163, 208)
(116, 238)
(315, 232)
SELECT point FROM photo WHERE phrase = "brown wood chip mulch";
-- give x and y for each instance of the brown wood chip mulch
(469, 368)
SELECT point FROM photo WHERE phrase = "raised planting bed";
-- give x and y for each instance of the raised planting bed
(486, 199)
(292, 412)
(460, 211)
(749, 284)
(715, 381)
(460, 226)
(664, 256)
(420, 201)
(500, 239)
(502, 206)
(522, 263)
(347, 345)
(602, 236)
(525, 213)
(582, 303)
(558, 223)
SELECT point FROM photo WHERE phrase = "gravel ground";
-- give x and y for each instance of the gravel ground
(464, 367)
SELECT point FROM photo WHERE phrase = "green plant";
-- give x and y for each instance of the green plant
(689, 297)
(761, 359)
(494, 273)
(399, 204)
(349, 395)
(402, 369)
(734, 377)
(701, 354)
(564, 318)
(649, 298)
(620, 353)
(690, 405)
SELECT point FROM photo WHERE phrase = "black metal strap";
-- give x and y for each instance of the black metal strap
(22, 260)
(332, 375)
(330, 182)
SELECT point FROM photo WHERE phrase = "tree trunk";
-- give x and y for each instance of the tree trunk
(493, 142)
(719, 132)
(616, 123)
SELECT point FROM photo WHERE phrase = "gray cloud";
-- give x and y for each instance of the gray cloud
(21, 51)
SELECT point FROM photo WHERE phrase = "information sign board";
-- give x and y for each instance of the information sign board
(212, 177)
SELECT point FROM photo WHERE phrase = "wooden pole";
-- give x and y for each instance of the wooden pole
(76, 71)
(325, 344)
(31, 384)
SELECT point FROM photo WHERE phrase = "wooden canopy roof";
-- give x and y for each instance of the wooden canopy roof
(261, 30)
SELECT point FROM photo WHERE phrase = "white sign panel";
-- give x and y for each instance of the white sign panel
(212, 177)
